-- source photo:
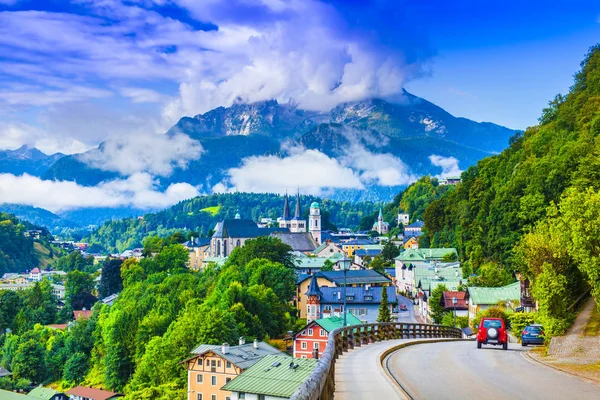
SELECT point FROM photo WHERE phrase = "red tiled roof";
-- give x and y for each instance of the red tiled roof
(62, 327)
(82, 314)
(91, 393)
(35, 270)
(462, 302)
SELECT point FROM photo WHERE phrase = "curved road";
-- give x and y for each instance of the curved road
(409, 314)
(459, 370)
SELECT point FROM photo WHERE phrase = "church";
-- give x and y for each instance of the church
(297, 224)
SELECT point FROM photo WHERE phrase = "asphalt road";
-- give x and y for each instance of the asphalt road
(408, 315)
(459, 370)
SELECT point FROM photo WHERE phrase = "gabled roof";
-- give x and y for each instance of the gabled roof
(331, 323)
(82, 314)
(92, 393)
(425, 254)
(353, 277)
(335, 295)
(298, 241)
(36, 270)
(197, 242)
(416, 224)
(462, 300)
(244, 356)
(273, 376)
(6, 395)
(43, 393)
(357, 242)
(367, 252)
(491, 295)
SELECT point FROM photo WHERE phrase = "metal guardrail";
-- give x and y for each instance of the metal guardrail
(320, 385)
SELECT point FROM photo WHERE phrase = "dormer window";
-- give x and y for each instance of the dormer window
(368, 297)
(350, 297)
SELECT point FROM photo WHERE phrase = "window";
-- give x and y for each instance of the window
(227, 398)
(304, 345)
(261, 397)
(322, 333)
(227, 380)
(199, 378)
(213, 397)
(228, 364)
(310, 332)
(368, 297)
(237, 243)
(315, 345)
(327, 308)
(199, 397)
(213, 380)
(242, 396)
(303, 357)
(350, 297)
(219, 363)
(213, 363)
(362, 311)
(352, 311)
(199, 362)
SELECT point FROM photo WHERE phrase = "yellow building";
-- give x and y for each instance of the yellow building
(211, 367)
(412, 243)
(351, 246)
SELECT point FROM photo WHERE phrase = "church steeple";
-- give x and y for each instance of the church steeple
(286, 208)
(380, 214)
(297, 213)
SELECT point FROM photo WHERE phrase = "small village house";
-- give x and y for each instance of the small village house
(482, 298)
(461, 308)
(312, 339)
(211, 367)
(328, 249)
(88, 393)
(414, 229)
(403, 218)
(351, 246)
(44, 393)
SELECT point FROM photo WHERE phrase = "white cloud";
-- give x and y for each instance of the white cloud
(379, 169)
(449, 165)
(156, 154)
(138, 190)
(314, 172)
(141, 95)
(311, 171)
(14, 134)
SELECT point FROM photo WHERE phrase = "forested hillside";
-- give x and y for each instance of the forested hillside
(17, 252)
(200, 215)
(533, 208)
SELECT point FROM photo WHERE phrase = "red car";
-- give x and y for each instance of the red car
(403, 307)
(492, 331)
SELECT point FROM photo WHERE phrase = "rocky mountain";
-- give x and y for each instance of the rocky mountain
(26, 160)
(411, 129)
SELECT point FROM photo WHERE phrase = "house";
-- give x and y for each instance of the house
(351, 246)
(427, 254)
(298, 241)
(328, 249)
(481, 298)
(450, 180)
(35, 275)
(313, 337)
(79, 314)
(310, 265)
(35, 234)
(403, 218)
(273, 377)
(414, 229)
(212, 366)
(368, 254)
(198, 248)
(88, 393)
(43, 393)
(461, 308)
(411, 243)
(213, 260)
(232, 233)
(57, 290)
(380, 226)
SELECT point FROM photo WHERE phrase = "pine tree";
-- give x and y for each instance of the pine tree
(384, 309)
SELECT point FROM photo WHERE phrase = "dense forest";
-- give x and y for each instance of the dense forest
(201, 214)
(533, 208)
(163, 311)
(17, 252)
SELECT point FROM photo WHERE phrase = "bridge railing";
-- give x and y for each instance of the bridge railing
(320, 385)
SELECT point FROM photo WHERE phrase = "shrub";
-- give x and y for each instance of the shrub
(492, 312)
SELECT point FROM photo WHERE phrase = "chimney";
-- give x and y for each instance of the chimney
(255, 343)
(339, 295)
(367, 287)
(242, 340)
(225, 348)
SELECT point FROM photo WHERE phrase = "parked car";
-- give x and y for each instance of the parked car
(403, 307)
(492, 331)
(532, 334)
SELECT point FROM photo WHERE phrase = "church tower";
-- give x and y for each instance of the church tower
(380, 222)
(314, 222)
(284, 221)
(313, 302)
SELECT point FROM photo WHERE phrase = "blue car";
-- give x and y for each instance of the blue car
(532, 334)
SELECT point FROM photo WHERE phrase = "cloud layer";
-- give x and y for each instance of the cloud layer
(449, 165)
(139, 190)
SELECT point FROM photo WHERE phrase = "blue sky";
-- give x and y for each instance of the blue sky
(73, 74)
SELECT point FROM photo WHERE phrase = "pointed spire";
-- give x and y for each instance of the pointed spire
(313, 288)
(286, 207)
(297, 213)
(380, 214)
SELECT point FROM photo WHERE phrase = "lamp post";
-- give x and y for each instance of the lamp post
(345, 266)
(454, 301)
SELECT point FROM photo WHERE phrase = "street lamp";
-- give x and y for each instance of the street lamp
(345, 264)
(454, 301)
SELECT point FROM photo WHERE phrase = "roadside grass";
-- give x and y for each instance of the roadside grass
(214, 210)
(590, 371)
(592, 328)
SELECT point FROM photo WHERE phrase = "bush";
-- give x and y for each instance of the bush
(448, 320)
(518, 322)
(492, 312)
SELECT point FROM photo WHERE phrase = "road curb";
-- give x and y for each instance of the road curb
(529, 358)
(384, 357)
